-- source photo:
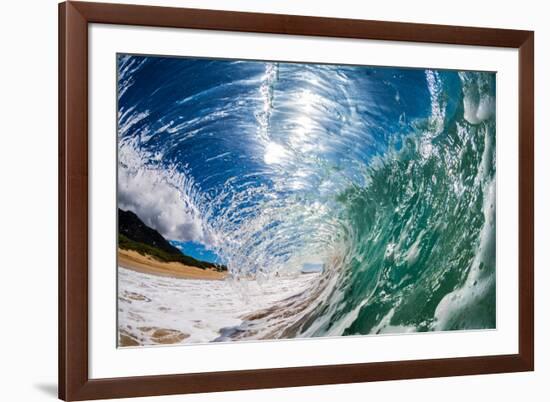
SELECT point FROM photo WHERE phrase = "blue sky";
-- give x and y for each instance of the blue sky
(196, 250)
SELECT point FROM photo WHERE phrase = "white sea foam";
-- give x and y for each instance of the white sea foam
(461, 303)
(162, 197)
(479, 105)
(200, 309)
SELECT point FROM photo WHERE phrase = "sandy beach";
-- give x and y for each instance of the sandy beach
(137, 262)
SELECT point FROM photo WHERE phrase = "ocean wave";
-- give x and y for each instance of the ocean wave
(384, 177)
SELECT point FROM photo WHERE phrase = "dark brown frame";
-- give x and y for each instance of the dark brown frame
(74, 383)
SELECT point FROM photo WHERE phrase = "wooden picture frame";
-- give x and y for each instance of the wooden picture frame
(74, 381)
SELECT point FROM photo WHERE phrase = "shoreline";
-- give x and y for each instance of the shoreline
(145, 264)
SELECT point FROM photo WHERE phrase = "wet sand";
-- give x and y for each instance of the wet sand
(145, 264)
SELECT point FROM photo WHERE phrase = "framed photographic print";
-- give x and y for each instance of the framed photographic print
(259, 200)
